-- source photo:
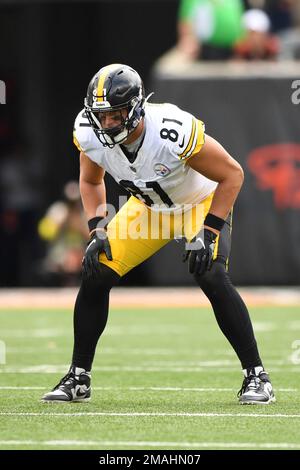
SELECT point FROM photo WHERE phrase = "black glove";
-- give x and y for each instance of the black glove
(97, 244)
(201, 255)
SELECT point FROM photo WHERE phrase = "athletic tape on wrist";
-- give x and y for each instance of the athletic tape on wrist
(92, 223)
(214, 221)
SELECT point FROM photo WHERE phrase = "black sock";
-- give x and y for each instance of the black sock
(231, 314)
(90, 317)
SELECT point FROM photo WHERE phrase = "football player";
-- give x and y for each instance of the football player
(182, 183)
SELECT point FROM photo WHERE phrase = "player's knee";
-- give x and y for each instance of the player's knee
(107, 278)
(214, 277)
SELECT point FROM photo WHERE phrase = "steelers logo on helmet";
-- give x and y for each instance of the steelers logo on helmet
(117, 91)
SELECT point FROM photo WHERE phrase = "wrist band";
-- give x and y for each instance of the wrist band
(92, 223)
(214, 221)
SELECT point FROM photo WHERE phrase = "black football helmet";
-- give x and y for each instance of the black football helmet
(115, 87)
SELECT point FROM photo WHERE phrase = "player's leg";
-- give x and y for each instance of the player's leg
(90, 317)
(134, 235)
(233, 319)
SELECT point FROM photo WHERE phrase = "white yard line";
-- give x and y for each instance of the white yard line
(216, 366)
(120, 330)
(165, 445)
(114, 330)
(21, 388)
(154, 389)
(211, 363)
(52, 347)
(152, 414)
(49, 369)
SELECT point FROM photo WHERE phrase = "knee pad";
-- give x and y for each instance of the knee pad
(215, 276)
(107, 279)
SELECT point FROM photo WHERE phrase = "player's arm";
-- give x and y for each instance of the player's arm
(214, 162)
(92, 187)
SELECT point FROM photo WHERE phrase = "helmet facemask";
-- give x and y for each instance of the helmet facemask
(111, 136)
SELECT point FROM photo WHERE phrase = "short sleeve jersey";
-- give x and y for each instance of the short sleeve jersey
(159, 176)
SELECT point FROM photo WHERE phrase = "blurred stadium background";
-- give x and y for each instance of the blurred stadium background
(48, 52)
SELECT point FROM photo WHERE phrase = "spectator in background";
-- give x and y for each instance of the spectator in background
(284, 14)
(208, 29)
(258, 43)
(281, 13)
(285, 19)
(64, 230)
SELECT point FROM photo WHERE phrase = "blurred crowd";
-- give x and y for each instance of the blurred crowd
(64, 230)
(36, 248)
(41, 246)
(241, 30)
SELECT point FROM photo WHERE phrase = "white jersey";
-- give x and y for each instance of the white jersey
(158, 176)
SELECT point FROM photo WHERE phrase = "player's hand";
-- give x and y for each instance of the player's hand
(200, 256)
(97, 244)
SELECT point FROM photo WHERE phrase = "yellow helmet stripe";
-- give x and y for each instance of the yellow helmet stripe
(106, 70)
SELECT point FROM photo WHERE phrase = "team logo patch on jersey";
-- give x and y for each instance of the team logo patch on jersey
(161, 170)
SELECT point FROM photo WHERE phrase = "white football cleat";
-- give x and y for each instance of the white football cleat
(256, 388)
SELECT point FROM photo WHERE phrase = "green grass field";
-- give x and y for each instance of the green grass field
(163, 379)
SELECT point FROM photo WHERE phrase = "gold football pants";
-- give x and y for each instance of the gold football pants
(136, 233)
